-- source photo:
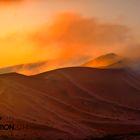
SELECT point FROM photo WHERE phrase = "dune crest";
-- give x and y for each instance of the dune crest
(110, 60)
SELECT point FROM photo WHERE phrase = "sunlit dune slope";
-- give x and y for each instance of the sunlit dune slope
(27, 69)
(76, 101)
(110, 60)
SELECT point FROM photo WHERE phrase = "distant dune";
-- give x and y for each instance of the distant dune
(72, 103)
(27, 69)
(110, 60)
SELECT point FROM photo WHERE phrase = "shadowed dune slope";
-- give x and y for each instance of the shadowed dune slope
(76, 101)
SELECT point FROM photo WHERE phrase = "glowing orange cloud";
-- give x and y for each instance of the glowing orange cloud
(78, 36)
(10, 1)
(70, 40)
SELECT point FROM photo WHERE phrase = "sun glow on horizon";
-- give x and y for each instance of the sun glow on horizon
(63, 34)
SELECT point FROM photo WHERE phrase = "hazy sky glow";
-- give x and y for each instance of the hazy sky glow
(31, 30)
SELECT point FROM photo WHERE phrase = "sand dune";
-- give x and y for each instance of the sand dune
(110, 60)
(27, 69)
(73, 103)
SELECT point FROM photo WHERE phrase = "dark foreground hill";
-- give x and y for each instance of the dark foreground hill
(71, 104)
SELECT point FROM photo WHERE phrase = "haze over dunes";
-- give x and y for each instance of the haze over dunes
(68, 38)
(68, 31)
(107, 61)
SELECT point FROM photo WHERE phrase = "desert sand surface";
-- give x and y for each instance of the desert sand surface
(77, 103)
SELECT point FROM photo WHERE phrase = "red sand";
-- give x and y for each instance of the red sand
(72, 103)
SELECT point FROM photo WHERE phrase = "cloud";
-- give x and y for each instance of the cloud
(132, 50)
(10, 1)
(76, 36)
(6, 0)
(70, 40)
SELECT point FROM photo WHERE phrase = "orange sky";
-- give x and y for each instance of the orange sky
(38, 30)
